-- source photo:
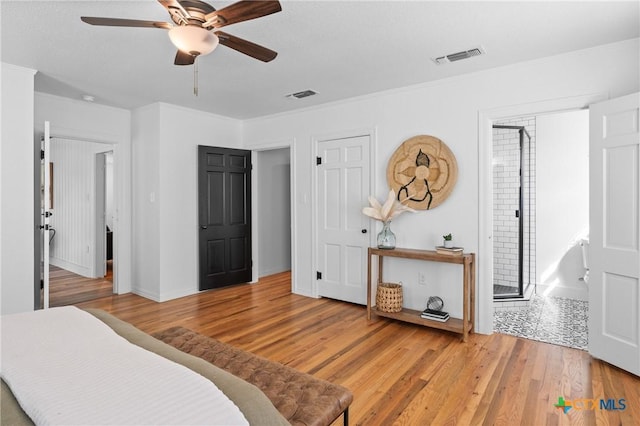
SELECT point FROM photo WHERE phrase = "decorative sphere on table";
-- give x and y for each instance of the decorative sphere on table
(435, 303)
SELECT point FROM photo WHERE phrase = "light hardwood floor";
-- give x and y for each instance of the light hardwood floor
(399, 373)
(67, 288)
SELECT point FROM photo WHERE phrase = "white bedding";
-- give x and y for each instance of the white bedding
(65, 366)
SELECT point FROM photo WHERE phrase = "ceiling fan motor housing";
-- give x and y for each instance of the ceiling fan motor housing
(197, 11)
(193, 39)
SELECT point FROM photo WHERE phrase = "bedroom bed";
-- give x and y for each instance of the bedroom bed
(254, 406)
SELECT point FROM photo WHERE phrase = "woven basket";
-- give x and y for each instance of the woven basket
(389, 297)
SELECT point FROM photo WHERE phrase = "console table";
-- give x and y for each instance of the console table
(462, 325)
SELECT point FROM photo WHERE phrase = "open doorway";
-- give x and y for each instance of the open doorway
(274, 205)
(80, 238)
(554, 177)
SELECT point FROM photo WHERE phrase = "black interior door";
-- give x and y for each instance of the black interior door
(224, 194)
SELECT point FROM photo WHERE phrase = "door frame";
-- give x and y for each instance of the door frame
(370, 132)
(486, 118)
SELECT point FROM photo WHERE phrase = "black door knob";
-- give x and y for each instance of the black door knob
(203, 227)
(364, 231)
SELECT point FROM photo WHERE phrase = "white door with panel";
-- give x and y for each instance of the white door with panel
(614, 279)
(343, 185)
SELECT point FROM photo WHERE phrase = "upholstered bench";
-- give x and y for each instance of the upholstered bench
(301, 398)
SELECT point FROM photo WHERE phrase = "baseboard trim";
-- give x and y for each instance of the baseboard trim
(72, 267)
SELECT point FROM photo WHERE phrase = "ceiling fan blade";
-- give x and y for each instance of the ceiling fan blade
(176, 10)
(248, 48)
(241, 11)
(116, 22)
(184, 58)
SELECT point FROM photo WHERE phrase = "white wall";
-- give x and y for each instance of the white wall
(79, 120)
(562, 198)
(166, 139)
(274, 204)
(16, 190)
(448, 109)
(145, 136)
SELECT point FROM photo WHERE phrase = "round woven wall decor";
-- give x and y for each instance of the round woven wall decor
(424, 170)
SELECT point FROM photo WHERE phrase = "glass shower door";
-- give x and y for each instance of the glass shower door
(509, 211)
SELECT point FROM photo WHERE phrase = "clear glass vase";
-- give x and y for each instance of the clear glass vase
(386, 238)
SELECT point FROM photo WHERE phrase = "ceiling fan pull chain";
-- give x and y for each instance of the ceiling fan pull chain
(195, 77)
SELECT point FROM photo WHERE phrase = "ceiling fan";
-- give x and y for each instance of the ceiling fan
(196, 27)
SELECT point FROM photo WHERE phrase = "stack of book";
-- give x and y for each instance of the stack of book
(435, 315)
(452, 251)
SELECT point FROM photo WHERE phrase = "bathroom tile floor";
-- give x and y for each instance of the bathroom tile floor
(554, 320)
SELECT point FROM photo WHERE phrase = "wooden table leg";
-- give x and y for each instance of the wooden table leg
(465, 304)
(369, 284)
(473, 292)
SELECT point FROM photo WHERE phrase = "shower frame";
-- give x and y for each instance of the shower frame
(519, 213)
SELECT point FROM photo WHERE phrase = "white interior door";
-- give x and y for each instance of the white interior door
(46, 211)
(614, 288)
(342, 230)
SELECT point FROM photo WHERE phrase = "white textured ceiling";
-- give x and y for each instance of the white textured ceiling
(341, 49)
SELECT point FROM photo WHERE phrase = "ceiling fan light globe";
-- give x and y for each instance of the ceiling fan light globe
(193, 39)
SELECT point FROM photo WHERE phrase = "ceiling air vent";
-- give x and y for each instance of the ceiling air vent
(303, 94)
(458, 56)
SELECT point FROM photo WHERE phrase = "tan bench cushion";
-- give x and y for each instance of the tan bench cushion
(301, 398)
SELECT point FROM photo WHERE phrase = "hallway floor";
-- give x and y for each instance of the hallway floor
(555, 320)
(67, 288)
